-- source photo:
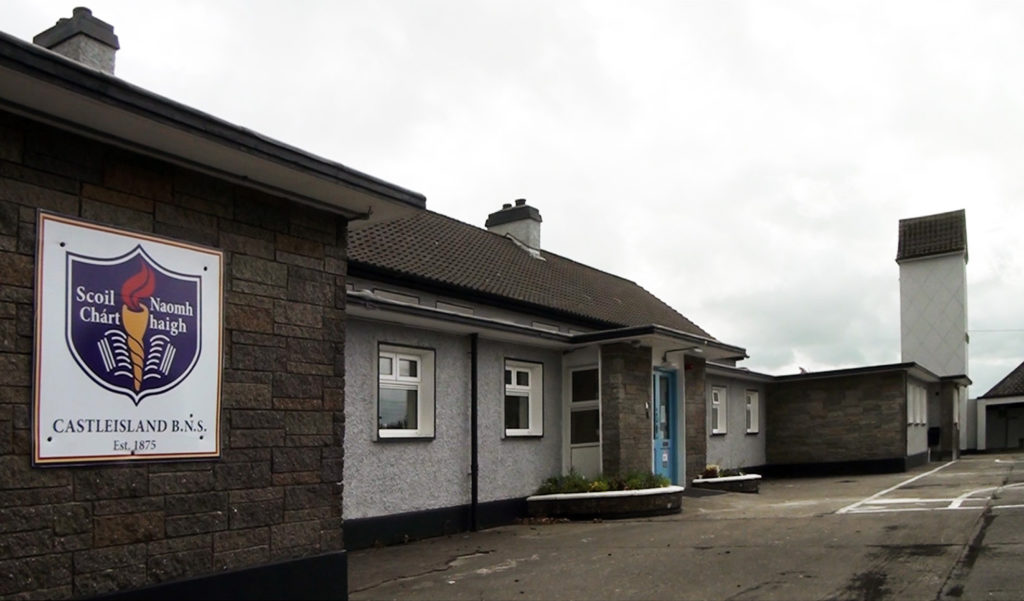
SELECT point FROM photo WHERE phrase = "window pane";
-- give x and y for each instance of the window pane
(522, 378)
(508, 376)
(585, 426)
(714, 417)
(408, 368)
(385, 366)
(517, 412)
(584, 385)
(750, 416)
(397, 409)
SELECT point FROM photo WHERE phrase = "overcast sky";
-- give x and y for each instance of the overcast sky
(747, 162)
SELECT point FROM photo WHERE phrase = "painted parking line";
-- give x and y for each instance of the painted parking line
(854, 506)
(974, 499)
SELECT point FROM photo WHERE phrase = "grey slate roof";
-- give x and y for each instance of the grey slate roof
(430, 248)
(932, 235)
(1011, 385)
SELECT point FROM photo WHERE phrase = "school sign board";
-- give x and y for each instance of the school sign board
(128, 346)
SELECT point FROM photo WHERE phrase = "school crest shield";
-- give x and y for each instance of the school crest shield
(132, 325)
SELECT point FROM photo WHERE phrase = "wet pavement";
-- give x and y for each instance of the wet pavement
(941, 531)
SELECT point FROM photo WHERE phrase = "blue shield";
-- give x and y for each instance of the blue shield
(132, 324)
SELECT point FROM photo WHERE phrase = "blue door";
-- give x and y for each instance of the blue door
(664, 422)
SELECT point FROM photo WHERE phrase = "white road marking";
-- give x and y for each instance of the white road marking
(974, 499)
(888, 501)
(854, 506)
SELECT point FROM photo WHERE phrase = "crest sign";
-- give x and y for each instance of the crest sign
(127, 345)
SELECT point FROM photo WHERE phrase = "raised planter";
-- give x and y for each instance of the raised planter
(744, 483)
(608, 505)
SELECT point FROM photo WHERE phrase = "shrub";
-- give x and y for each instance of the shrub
(576, 482)
(711, 471)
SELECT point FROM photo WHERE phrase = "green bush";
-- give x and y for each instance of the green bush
(711, 471)
(576, 482)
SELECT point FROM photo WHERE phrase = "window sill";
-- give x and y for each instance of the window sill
(719, 433)
(523, 435)
(382, 437)
(753, 433)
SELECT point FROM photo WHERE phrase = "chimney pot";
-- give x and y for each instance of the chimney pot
(507, 205)
(82, 38)
(520, 202)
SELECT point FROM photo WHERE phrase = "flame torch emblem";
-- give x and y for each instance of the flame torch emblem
(135, 317)
(133, 325)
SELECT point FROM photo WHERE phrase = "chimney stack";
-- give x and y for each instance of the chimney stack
(521, 221)
(82, 38)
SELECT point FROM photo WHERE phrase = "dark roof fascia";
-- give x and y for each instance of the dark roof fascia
(386, 276)
(950, 253)
(94, 85)
(616, 334)
(371, 301)
(908, 367)
(961, 379)
(719, 369)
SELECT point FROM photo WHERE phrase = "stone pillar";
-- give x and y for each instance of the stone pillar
(695, 409)
(625, 400)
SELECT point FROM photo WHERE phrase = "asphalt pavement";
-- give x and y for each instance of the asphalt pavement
(941, 531)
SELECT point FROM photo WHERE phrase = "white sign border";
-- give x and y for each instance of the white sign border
(216, 323)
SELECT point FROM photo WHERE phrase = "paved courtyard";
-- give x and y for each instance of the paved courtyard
(942, 531)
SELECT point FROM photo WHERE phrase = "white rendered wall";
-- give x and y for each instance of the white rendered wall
(736, 448)
(513, 467)
(933, 313)
(398, 476)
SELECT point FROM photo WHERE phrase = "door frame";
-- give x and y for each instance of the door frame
(672, 409)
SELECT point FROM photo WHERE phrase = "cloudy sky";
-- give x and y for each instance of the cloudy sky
(747, 162)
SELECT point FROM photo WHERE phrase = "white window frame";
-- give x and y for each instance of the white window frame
(534, 393)
(753, 411)
(422, 383)
(917, 405)
(719, 405)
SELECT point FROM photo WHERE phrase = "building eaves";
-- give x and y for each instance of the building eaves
(909, 367)
(43, 85)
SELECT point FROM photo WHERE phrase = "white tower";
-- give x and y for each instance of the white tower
(932, 256)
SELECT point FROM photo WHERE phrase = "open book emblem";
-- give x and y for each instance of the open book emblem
(132, 324)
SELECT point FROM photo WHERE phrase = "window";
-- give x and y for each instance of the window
(585, 413)
(718, 401)
(405, 392)
(917, 405)
(524, 398)
(752, 412)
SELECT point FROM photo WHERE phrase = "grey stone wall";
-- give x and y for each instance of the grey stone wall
(852, 418)
(625, 393)
(275, 494)
(695, 408)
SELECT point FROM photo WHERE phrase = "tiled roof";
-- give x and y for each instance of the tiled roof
(932, 235)
(1011, 385)
(444, 251)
